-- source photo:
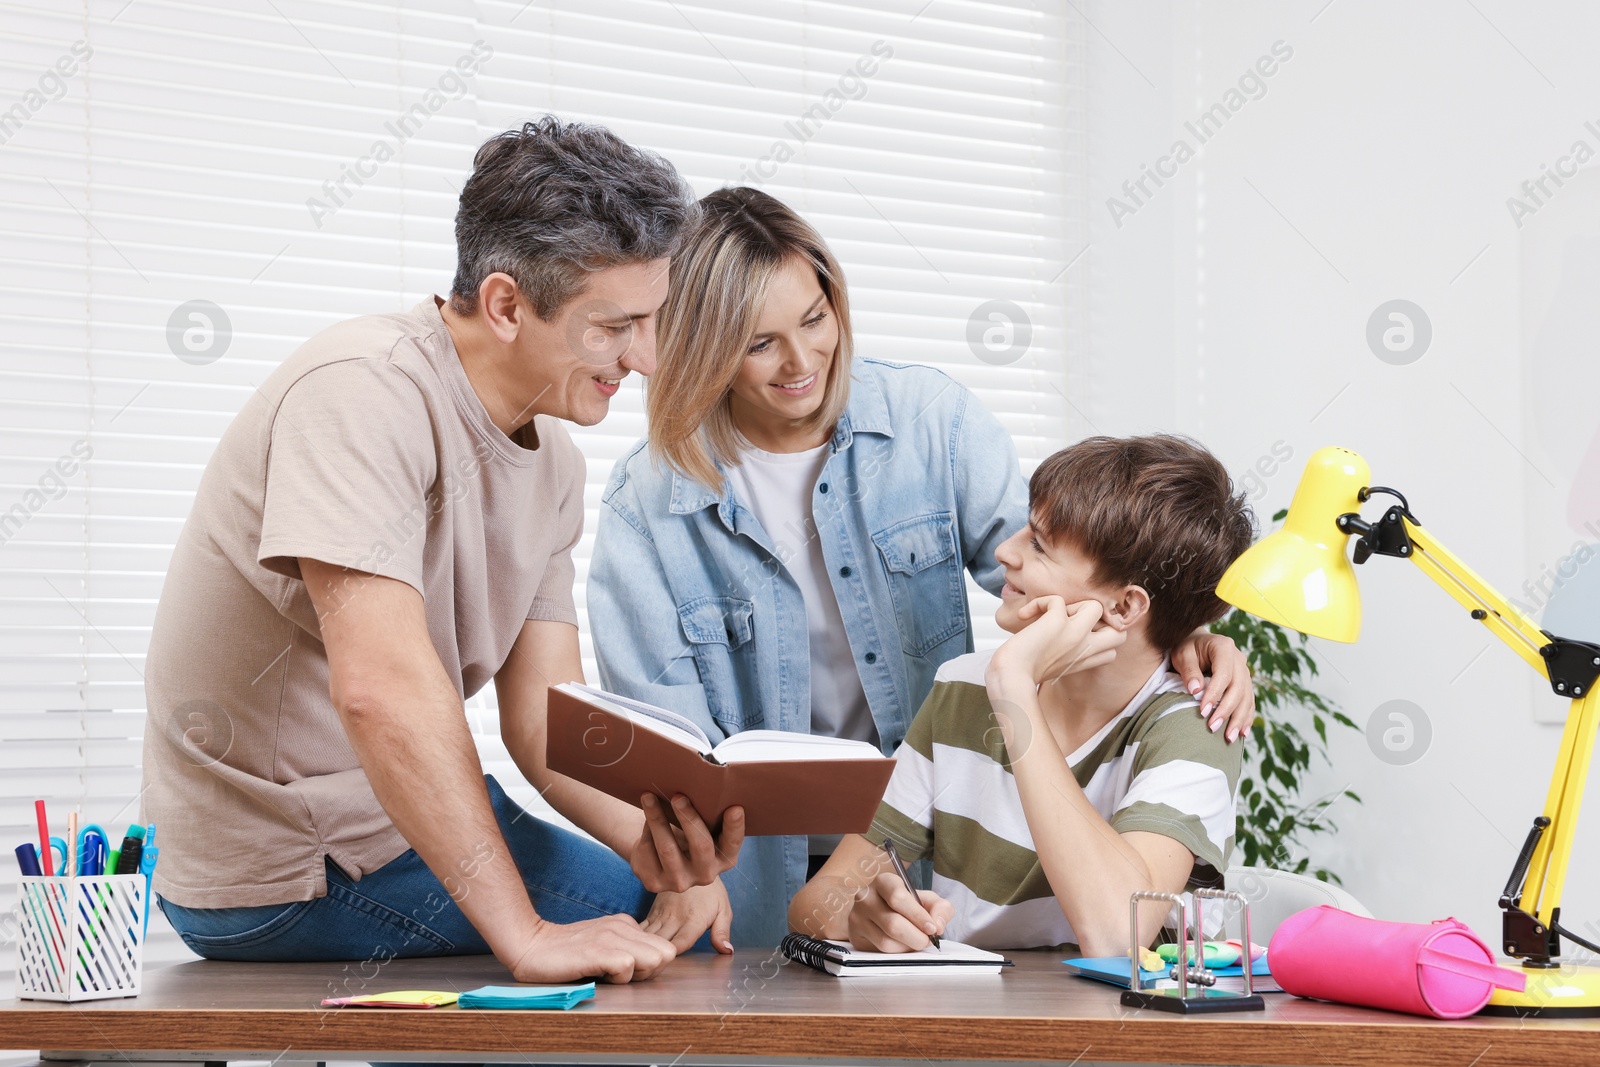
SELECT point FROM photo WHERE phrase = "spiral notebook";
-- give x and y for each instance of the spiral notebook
(839, 959)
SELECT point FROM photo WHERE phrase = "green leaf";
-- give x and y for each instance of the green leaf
(1276, 822)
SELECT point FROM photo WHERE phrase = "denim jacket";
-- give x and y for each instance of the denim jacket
(691, 609)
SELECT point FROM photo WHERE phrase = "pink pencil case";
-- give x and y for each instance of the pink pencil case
(1441, 969)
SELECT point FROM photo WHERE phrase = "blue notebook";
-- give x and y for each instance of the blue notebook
(1114, 969)
(527, 996)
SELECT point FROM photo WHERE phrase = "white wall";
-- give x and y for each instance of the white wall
(1233, 306)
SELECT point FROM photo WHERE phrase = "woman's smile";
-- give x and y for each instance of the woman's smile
(798, 388)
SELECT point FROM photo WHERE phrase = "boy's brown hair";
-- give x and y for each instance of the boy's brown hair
(1158, 512)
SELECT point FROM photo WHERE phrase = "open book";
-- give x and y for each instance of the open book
(838, 958)
(787, 783)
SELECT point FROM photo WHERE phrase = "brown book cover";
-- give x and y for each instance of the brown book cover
(609, 751)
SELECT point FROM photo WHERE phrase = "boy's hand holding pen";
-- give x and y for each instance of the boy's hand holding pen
(894, 916)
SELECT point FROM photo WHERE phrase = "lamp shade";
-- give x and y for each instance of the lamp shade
(1299, 576)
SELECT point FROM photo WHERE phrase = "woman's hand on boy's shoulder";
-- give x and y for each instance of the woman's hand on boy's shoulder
(887, 918)
(1061, 639)
(1228, 697)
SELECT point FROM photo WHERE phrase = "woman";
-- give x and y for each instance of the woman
(786, 550)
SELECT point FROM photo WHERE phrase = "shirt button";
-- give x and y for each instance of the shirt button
(871, 657)
(823, 488)
(844, 572)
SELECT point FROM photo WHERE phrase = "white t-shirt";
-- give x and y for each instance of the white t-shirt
(777, 489)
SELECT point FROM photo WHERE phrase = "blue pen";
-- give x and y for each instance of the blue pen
(28, 860)
(83, 834)
(91, 855)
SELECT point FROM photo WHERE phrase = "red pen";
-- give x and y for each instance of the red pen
(45, 859)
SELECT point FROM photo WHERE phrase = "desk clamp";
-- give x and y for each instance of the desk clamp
(1205, 998)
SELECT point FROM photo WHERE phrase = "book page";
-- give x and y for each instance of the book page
(760, 746)
(658, 720)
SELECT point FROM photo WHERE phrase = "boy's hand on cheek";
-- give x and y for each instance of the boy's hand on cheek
(1059, 639)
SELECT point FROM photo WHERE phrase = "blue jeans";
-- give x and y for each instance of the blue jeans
(401, 910)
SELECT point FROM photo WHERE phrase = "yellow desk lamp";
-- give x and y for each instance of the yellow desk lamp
(1300, 578)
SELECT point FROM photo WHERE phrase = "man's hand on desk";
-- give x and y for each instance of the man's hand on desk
(613, 948)
(672, 859)
(682, 917)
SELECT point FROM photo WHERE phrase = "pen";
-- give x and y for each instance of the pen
(900, 869)
(84, 830)
(44, 838)
(70, 867)
(91, 856)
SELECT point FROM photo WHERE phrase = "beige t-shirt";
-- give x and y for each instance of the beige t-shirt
(367, 449)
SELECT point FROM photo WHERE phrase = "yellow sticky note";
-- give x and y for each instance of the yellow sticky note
(407, 998)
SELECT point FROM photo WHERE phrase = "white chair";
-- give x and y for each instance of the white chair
(1275, 895)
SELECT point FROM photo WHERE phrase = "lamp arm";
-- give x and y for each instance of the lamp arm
(1532, 901)
(1498, 615)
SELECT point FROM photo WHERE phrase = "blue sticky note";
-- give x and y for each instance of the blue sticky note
(1114, 969)
(527, 996)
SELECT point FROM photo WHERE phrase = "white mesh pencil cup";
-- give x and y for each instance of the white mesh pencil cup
(80, 938)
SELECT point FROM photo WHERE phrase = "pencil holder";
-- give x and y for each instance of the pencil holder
(80, 938)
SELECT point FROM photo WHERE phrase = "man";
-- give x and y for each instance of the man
(386, 526)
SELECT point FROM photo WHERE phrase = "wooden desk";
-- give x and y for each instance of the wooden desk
(715, 1009)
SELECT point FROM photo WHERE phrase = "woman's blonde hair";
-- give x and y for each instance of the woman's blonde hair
(719, 284)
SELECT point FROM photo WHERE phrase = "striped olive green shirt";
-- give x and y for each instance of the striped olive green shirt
(1154, 767)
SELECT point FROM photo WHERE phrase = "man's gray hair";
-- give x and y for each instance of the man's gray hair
(553, 201)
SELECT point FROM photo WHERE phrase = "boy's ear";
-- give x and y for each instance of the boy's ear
(1129, 607)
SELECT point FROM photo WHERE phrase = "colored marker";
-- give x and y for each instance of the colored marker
(132, 849)
(28, 860)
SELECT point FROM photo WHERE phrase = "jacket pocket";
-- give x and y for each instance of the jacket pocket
(924, 580)
(717, 627)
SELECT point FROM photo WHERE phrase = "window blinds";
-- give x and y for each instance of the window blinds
(190, 190)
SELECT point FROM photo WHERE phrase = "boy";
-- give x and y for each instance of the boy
(1051, 778)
